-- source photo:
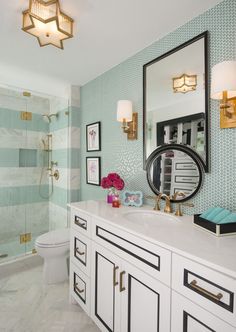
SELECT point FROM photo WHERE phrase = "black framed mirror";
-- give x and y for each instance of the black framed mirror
(176, 171)
(175, 99)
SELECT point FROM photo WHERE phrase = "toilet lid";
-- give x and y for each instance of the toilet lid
(58, 237)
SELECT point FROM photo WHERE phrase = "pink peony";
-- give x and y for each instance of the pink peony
(106, 183)
(118, 184)
(113, 176)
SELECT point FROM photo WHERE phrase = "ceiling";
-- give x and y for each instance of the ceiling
(106, 33)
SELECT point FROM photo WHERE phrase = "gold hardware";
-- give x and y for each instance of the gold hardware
(26, 94)
(167, 208)
(79, 252)
(24, 238)
(216, 297)
(131, 128)
(26, 116)
(227, 112)
(56, 174)
(122, 288)
(115, 282)
(179, 212)
(34, 251)
(157, 201)
(77, 288)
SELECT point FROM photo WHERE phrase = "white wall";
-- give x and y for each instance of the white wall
(28, 80)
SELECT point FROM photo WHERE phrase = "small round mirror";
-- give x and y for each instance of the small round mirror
(176, 171)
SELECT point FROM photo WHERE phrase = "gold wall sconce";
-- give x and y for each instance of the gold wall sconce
(223, 88)
(128, 118)
(45, 21)
(184, 83)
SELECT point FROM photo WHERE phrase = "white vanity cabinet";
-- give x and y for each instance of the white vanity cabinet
(129, 284)
(122, 294)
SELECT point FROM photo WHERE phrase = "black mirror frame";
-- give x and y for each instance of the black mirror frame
(204, 35)
(183, 148)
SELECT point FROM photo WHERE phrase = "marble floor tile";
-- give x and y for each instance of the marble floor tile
(26, 305)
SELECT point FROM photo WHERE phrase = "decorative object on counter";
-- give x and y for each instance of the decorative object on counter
(132, 198)
(128, 118)
(223, 88)
(217, 229)
(93, 170)
(116, 202)
(93, 136)
(113, 182)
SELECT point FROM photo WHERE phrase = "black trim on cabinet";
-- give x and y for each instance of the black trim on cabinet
(129, 301)
(77, 219)
(75, 253)
(156, 267)
(185, 322)
(78, 294)
(229, 307)
(96, 296)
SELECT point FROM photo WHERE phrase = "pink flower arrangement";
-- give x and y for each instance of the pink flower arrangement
(112, 180)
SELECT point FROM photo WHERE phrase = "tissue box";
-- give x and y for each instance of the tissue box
(211, 227)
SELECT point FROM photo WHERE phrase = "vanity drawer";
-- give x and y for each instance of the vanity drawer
(180, 166)
(186, 179)
(149, 257)
(209, 288)
(80, 287)
(189, 317)
(80, 251)
(81, 222)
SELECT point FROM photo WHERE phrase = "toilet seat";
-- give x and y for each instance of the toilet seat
(52, 239)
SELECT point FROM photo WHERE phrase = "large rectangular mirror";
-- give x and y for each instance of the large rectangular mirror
(175, 97)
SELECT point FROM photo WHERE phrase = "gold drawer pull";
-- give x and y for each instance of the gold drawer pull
(122, 288)
(79, 223)
(77, 288)
(115, 282)
(217, 297)
(81, 253)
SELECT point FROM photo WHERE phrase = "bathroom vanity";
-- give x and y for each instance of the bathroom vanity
(135, 269)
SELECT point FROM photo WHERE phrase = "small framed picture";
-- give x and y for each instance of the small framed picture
(93, 170)
(93, 136)
(133, 198)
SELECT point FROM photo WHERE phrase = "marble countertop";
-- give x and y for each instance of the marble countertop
(180, 236)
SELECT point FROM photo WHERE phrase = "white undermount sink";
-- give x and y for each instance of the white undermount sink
(149, 216)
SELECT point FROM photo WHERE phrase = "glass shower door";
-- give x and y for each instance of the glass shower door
(13, 177)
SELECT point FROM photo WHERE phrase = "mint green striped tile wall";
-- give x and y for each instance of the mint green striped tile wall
(99, 98)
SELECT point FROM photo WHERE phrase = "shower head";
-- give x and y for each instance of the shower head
(47, 117)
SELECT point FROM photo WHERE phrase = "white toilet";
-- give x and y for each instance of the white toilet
(54, 247)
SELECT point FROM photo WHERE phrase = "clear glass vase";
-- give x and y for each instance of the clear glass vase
(111, 194)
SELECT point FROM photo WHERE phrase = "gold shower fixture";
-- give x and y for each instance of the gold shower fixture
(45, 20)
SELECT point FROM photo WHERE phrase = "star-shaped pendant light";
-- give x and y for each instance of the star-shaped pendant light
(47, 22)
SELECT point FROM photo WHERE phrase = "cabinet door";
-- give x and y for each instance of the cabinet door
(189, 317)
(105, 295)
(145, 302)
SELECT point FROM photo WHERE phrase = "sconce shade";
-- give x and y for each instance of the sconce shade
(124, 111)
(223, 79)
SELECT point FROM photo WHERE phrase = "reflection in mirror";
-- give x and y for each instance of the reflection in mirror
(175, 98)
(174, 172)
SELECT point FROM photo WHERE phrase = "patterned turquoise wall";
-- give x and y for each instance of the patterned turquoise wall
(99, 98)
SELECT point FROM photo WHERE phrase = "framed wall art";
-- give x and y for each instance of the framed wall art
(93, 136)
(93, 170)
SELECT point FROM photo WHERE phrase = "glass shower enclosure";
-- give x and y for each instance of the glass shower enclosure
(33, 169)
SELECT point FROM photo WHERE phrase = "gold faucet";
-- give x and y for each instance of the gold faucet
(157, 201)
(179, 211)
(167, 208)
